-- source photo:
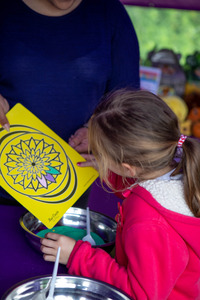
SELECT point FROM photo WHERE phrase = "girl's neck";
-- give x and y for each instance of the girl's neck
(157, 174)
(52, 8)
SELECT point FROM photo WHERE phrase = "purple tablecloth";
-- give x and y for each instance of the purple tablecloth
(103, 201)
(18, 260)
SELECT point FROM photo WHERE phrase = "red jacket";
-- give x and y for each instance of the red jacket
(157, 252)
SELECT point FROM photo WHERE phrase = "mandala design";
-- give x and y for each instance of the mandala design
(35, 165)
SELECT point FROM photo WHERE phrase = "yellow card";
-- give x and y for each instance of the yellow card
(39, 169)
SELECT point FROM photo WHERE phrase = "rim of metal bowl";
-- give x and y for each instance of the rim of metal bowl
(78, 279)
(71, 209)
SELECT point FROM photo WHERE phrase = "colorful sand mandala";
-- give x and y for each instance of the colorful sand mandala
(39, 169)
(34, 164)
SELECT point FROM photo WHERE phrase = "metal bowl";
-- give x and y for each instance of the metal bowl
(66, 287)
(100, 224)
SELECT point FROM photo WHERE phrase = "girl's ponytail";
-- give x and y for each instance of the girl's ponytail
(190, 167)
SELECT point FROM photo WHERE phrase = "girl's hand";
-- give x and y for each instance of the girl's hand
(4, 108)
(50, 245)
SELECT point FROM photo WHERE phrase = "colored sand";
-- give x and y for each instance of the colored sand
(75, 233)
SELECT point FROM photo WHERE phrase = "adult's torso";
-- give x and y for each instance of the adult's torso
(57, 67)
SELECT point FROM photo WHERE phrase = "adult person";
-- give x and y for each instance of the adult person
(58, 57)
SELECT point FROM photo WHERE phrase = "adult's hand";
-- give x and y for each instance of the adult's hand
(79, 140)
(4, 108)
(90, 161)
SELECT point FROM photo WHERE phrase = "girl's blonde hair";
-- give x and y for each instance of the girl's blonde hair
(138, 128)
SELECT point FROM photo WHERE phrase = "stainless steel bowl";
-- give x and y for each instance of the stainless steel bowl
(75, 217)
(66, 287)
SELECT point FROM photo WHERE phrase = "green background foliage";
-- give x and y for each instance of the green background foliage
(178, 30)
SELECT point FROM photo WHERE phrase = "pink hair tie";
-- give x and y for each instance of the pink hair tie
(179, 150)
(181, 140)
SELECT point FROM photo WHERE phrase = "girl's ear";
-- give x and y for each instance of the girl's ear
(130, 171)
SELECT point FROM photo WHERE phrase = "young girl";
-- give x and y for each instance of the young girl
(141, 154)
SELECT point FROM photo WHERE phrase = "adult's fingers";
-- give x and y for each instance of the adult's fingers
(90, 161)
(77, 138)
(82, 147)
(4, 108)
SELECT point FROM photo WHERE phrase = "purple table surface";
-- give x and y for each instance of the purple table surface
(103, 200)
(18, 260)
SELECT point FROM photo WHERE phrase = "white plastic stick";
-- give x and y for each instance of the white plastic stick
(53, 280)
